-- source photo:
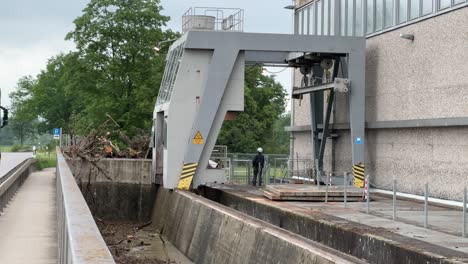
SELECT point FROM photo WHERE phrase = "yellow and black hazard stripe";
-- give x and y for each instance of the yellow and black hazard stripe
(358, 175)
(186, 177)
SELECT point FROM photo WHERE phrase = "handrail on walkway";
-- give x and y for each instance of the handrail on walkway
(79, 239)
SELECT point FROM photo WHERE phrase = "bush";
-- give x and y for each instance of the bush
(44, 160)
(20, 148)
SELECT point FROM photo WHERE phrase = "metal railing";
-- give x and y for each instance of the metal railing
(11, 181)
(213, 18)
(79, 240)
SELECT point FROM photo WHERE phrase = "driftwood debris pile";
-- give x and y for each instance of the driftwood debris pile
(101, 143)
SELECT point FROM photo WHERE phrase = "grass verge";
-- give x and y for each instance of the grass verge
(46, 160)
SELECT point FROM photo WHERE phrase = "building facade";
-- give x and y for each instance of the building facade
(416, 92)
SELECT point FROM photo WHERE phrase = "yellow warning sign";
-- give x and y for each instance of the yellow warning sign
(186, 177)
(358, 174)
(198, 139)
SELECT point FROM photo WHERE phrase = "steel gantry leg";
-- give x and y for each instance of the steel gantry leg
(221, 67)
(316, 117)
(357, 102)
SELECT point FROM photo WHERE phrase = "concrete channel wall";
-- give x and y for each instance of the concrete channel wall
(10, 182)
(207, 232)
(116, 189)
(79, 239)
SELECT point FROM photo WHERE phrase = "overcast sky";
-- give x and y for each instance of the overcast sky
(32, 31)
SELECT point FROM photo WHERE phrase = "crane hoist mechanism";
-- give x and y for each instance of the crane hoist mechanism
(203, 84)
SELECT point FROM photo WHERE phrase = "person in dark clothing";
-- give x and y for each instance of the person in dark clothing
(258, 163)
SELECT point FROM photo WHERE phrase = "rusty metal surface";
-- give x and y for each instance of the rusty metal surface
(79, 239)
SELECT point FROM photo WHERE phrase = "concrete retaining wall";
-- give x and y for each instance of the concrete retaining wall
(375, 245)
(207, 232)
(116, 189)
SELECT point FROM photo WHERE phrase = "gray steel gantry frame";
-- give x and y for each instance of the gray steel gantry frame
(279, 49)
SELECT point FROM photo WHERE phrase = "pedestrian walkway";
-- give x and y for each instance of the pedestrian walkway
(28, 225)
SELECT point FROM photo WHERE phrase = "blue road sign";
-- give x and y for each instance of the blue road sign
(56, 133)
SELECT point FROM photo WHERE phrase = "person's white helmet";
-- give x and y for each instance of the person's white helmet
(260, 150)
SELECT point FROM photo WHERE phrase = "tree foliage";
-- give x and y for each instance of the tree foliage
(23, 122)
(265, 101)
(114, 71)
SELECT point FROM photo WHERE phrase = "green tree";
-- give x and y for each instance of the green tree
(116, 40)
(24, 119)
(114, 71)
(278, 142)
(265, 101)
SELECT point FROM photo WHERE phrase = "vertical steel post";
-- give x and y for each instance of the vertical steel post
(326, 187)
(426, 195)
(394, 199)
(345, 190)
(274, 172)
(248, 174)
(464, 213)
(317, 172)
(368, 194)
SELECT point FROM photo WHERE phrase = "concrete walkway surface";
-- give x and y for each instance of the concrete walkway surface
(28, 225)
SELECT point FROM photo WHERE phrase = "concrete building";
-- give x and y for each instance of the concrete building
(416, 92)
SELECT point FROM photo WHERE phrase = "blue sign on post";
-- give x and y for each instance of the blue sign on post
(56, 133)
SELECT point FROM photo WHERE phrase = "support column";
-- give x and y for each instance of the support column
(221, 67)
(357, 99)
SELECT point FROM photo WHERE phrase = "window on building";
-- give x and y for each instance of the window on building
(445, 4)
(350, 18)
(343, 17)
(319, 18)
(358, 20)
(427, 7)
(370, 17)
(379, 15)
(388, 13)
(403, 11)
(414, 13)
(306, 21)
(326, 22)
(456, 2)
(332, 18)
(312, 30)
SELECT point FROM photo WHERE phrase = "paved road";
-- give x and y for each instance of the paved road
(28, 225)
(11, 160)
